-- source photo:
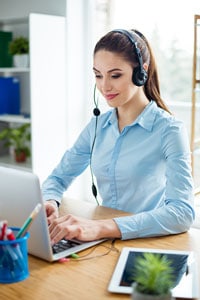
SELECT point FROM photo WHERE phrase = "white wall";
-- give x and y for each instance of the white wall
(79, 74)
(48, 97)
(80, 33)
(22, 8)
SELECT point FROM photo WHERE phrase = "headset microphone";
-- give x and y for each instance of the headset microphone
(96, 113)
(96, 110)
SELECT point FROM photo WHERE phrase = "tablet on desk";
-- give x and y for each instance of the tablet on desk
(185, 271)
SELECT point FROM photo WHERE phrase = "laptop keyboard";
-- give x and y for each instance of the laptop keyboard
(64, 245)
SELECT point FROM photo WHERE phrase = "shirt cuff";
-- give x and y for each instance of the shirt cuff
(128, 227)
(56, 202)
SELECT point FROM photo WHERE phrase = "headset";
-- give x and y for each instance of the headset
(96, 113)
(139, 78)
(140, 75)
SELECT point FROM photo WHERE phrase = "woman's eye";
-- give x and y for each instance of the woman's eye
(116, 75)
(98, 76)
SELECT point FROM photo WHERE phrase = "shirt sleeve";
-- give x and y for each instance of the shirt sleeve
(176, 214)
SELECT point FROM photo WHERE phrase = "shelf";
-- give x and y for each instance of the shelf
(39, 91)
(8, 161)
(14, 70)
(14, 119)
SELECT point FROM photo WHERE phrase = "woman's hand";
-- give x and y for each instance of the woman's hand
(72, 227)
(51, 210)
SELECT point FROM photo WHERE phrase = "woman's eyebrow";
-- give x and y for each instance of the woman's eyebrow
(94, 69)
(110, 71)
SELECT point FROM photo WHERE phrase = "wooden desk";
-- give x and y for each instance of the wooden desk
(87, 279)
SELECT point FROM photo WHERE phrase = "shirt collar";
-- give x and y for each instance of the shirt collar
(145, 119)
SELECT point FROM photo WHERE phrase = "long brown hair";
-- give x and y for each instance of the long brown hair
(119, 43)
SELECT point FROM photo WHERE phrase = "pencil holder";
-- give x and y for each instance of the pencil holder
(14, 259)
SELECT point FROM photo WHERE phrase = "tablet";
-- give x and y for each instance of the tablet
(185, 271)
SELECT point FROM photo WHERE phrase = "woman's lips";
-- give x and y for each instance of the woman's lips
(110, 96)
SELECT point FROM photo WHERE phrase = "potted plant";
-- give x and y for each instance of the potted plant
(19, 48)
(153, 277)
(19, 138)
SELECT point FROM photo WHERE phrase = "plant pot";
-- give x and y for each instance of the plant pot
(20, 156)
(21, 60)
(140, 296)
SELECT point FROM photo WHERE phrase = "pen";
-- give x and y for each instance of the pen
(11, 237)
(12, 261)
(3, 230)
(8, 264)
(1, 224)
(28, 221)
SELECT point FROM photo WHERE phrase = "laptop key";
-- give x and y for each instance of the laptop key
(64, 245)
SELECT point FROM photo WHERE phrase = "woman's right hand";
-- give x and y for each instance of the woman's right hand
(51, 210)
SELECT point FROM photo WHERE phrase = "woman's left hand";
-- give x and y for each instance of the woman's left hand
(72, 227)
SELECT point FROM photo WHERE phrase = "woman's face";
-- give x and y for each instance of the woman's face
(114, 78)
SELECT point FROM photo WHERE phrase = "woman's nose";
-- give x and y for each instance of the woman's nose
(106, 85)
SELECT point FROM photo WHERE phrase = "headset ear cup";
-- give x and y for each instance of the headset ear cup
(139, 77)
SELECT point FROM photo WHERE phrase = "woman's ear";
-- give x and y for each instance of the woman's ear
(145, 66)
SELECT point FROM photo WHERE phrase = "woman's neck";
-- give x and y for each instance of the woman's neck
(127, 114)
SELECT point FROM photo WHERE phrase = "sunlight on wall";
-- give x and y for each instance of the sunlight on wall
(173, 18)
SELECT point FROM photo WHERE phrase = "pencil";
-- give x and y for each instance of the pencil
(28, 221)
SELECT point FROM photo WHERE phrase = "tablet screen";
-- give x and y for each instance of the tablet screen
(178, 261)
(186, 280)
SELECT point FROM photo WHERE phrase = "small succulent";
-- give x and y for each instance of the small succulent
(153, 274)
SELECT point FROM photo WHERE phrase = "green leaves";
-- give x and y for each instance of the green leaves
(17, 137)
(19, 45)
(154, 274)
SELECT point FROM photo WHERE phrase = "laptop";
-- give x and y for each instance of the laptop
(20, 192)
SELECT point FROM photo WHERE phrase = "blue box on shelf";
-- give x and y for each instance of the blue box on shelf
(9, 95)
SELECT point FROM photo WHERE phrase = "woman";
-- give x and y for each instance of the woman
(139, 152)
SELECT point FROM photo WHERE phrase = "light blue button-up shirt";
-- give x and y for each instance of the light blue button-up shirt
(144, 170)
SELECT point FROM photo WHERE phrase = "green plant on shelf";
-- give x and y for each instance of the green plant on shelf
(19, 45)
(19, 138)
